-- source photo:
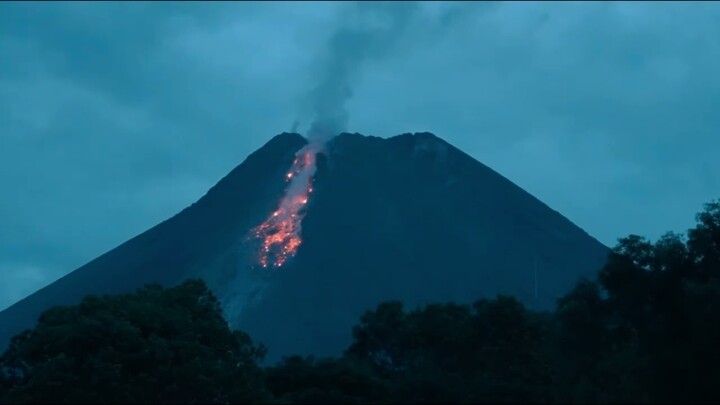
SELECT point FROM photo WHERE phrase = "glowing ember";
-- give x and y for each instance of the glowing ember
(280, 233)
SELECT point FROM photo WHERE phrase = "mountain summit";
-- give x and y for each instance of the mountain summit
(407, 218)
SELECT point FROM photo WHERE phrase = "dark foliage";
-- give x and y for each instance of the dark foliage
(646, 331)
(155, 346)
(301, 380)
(492, 351)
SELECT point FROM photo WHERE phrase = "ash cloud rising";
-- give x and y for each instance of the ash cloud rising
(367, 31)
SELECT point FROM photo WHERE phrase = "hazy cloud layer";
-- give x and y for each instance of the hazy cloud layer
(115, 116)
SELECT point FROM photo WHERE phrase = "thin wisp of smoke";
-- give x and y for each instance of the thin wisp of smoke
(367, 32)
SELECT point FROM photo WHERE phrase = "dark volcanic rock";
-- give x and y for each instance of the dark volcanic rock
(415, 219)
(177, 247)
(409, 218)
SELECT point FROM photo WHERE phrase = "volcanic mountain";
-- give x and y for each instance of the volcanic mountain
(407, 218)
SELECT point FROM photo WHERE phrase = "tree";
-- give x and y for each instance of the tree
(704, 240)
(492, 351)
(4, 385)
(647, 331)
(379, 337)
(305, 380)
(595, 363)
(154, 346)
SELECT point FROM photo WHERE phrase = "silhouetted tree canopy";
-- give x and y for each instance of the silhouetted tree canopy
(646, 331)
(491, 351)
(155, 346)
(306, 380)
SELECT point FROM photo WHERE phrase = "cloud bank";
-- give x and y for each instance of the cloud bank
(115, 116)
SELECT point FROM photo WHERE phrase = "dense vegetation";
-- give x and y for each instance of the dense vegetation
(645, 331)
(155, 346)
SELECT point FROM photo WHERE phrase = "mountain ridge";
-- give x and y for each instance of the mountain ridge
(23, 313)
(385, 222)
(384, 213)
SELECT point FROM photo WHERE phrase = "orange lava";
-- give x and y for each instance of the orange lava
(280, 233)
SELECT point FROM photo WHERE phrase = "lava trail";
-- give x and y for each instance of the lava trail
(280, 234)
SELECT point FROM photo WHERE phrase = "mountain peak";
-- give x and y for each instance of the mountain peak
(409, 218)
(408, 136)
(286, 137)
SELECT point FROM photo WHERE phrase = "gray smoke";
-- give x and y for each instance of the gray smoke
(295, 126)
(368, 31)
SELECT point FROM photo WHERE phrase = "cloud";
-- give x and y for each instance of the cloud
(116, 116)
(370, 32)
(616, 98)
(20, 279)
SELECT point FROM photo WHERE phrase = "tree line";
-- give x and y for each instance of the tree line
(646, 330)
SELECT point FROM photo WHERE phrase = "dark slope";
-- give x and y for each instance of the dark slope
(176, 247)
(409, 218)
(413, 218)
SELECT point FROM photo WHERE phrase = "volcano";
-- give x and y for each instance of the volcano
(407, 218)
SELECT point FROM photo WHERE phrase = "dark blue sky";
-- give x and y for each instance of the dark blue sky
(114, 116)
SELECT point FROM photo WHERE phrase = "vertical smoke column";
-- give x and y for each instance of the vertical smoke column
(366, 31)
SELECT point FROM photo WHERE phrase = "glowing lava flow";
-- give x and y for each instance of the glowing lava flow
(280, 233)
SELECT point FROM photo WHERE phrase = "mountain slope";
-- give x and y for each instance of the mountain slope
(412, 218)
(175, 248)
(409, 218)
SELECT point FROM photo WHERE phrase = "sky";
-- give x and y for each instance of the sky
(114, 117)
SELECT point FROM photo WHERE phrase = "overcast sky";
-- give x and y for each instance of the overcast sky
(114, 117)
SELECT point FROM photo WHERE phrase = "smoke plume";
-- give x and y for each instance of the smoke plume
(367, 31)
(295, 126)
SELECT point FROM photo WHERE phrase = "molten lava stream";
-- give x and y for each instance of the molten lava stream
(280, 233)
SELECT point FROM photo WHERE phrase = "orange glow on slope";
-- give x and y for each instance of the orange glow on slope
(280, 233)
